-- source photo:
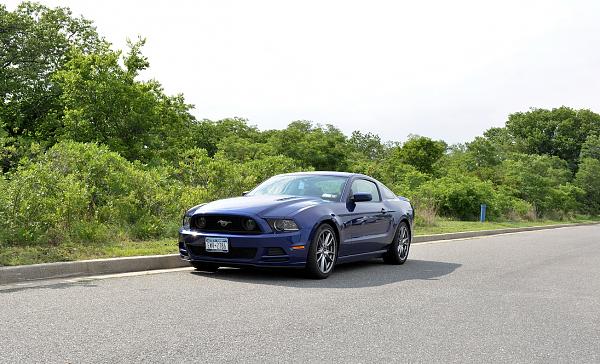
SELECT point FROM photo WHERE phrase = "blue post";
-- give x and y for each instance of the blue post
(482, 213)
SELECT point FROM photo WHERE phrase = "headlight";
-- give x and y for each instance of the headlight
(186, 221)
(283, 225)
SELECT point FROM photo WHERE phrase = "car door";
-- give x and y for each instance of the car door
(366, 222)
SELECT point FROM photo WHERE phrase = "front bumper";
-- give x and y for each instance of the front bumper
(261, 250)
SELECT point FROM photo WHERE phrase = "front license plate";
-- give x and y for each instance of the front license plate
(217, 245)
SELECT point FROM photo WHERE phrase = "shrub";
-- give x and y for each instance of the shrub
(458, 197)
(538, 180)
(588, 180)
(223, 177)
(403, 179)
(461, 196)
(509, 207)
(85, 193)
(43, 205)
(3, 209)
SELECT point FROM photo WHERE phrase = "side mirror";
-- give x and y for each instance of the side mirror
(362, 197)
(245, 193)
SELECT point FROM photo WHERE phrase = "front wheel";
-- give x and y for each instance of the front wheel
(398, 250)
(205, 267)
(322, 253)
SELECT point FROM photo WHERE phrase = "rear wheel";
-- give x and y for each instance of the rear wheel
(398, 250)
(322, 253)
(205, 267)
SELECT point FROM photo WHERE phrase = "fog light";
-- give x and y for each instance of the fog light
(249, 224)
(275, 251)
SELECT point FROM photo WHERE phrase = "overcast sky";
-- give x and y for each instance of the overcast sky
(444, 69)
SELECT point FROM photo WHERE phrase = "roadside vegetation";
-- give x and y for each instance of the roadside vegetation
(98, 162)
(70, 251)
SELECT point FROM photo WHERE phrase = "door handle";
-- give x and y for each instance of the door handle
(383, 211)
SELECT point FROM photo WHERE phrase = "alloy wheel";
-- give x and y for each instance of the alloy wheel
(326, 250)
(404, 242)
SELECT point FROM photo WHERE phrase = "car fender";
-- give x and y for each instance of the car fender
(319, 215)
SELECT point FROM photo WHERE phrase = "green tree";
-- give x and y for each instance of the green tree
(484, 153)
(535, 178)
(588, 179)
(591, 148)
(366, 145)
(35, 42)
(105, 103)
(243, 150)
(559, 132)
(481, 158)
(324, 148)
(421, 152)
(207, 134)
(456, 160)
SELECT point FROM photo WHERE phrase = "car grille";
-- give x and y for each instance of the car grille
(234, 253)
(223, 224)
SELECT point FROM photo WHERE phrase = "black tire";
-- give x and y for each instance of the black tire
(398, 251)
(322, 253)
(205, 267)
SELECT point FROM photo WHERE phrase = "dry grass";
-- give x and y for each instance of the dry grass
(426, 214)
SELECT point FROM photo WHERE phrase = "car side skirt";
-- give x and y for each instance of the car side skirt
(361, 256)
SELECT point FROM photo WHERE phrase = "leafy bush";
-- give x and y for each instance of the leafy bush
(4, 209)
(86, 193)
(591, 148)
(83, 192)
(223, 177)
(538, 180)
(421, 153)
(452, 197)
(461, 197)
(588, 180)
(403, 179)
(42, 205)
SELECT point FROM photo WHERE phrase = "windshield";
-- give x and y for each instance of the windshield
(324, 187)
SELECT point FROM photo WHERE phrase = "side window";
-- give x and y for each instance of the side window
(387, 193)
(362, 185)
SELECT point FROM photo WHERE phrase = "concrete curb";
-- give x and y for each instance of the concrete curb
(23, 273)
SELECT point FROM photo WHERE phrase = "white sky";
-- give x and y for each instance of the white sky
(443, 69)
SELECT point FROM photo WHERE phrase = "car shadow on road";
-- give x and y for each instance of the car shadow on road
(352, 275)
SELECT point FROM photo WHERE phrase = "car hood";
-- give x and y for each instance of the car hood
(264, 206)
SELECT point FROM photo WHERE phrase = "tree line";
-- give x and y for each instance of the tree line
(89, 152)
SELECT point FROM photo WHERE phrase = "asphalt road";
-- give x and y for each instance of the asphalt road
(526, 297)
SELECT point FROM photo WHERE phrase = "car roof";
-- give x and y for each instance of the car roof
(326, 173)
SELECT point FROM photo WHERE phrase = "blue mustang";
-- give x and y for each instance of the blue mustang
(308, 220)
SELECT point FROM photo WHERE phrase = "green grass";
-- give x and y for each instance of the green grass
(20, 255)
(449, 226)
(23, 254)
